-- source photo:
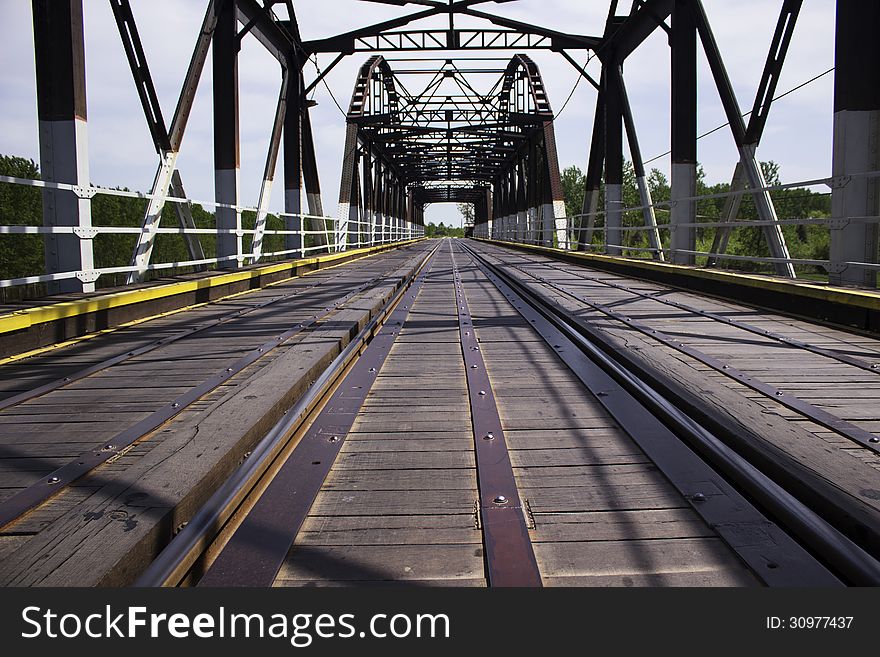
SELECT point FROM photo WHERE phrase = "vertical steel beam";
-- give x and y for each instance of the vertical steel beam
(593, 177)
(532, 193)
(554, 197)
(613, 160)
(59, 54)
(639, 168)
(369, 217)
(520, 201)
(683, 45)
(292, 137)
(226, 136)
(856, 142)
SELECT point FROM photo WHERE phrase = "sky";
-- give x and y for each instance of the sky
(797, 135)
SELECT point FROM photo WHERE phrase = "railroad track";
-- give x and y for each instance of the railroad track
(361, 483)
(590, 318)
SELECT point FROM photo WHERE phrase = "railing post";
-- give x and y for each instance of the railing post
(61, 103)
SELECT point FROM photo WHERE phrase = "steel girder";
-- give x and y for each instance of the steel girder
(449, 142)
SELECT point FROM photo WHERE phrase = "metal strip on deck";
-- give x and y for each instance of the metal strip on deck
(257, 549)
(874, 368)
(808, 410)
(770, 553)
(510, 558)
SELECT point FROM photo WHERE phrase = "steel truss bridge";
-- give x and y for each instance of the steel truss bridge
(546, 403)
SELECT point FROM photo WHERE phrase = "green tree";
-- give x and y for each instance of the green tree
(467, 213)
(573, 183)
(20, 255)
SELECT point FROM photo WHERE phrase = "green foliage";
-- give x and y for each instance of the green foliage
(20, 255)
(573, 184)
(467, 212)
(804, 242)
(433, 230)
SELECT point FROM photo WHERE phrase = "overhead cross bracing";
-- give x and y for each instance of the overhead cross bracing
(455, 138)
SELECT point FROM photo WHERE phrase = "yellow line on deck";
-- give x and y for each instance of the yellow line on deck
(27, 317)
(364, 253)
(844, 296)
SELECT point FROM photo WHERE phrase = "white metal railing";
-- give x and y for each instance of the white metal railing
(524, 227)
(360, 234)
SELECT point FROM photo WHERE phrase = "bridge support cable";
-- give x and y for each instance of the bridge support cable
(855, 150)
(59, 54)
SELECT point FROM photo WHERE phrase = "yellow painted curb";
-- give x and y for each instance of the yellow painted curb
(27, 317)
(844, 296)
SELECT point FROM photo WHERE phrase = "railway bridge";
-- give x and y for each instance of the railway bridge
(604, 397)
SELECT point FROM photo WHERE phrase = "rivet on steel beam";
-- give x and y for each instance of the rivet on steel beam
(473, 367)
(53, 480)
(67, 378)
(500, 500)
(482, 392)
(698, 497)
(372, 369)
(175, 405)
(333, 439)
(489, 436)
(874, 439)
(228, 369)
(779, 393)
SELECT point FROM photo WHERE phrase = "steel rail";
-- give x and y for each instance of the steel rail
(874, 368)
(804, 524)
(814, 413)
(183, 551)
(510, 557)
(48, 486)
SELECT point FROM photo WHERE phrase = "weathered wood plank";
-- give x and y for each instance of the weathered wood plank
(387, 562)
